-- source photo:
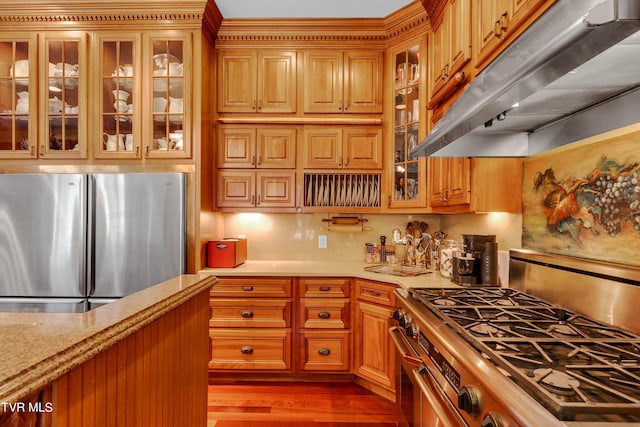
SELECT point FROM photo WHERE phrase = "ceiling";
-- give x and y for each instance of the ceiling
(309, 8)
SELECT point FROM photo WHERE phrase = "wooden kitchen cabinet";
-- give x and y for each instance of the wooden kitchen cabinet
(342, 82)
(449, 52)
(374, 352)
(251, 147)
(250, 325)
(449, 181)
(324, 324)
(247, 189)
(499, 22)
(349, 147)
(263, 81)
(144, 95)
(406, 173)
(43, 93)
(475, 185)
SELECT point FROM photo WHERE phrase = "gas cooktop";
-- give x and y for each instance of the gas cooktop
(573, 365)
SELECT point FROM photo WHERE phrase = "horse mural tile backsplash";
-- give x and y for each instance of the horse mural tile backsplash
(583, 199)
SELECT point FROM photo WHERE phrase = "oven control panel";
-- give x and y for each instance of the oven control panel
(448, 372)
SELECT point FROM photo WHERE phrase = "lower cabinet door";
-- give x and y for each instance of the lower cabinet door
(324, 351)
(256, 349)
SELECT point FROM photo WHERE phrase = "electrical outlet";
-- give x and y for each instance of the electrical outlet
(322, 241)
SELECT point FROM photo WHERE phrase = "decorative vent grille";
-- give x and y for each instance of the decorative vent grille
(342, 190)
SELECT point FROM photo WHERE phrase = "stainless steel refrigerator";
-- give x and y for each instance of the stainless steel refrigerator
(69, 242)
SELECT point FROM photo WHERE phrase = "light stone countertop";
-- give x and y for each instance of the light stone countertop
(38, 348)
(328, 269)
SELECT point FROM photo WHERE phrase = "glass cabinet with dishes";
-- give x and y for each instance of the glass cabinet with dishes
(407, 188)
(143, 97)
(17, 75)
(64, 111)
(169, 61)
(42, 98)
(120, 72)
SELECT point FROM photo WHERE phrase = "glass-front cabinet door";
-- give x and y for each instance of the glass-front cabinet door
(408, 189)
(169, 101)
(63, 101)
(119, 97)
(18, 97)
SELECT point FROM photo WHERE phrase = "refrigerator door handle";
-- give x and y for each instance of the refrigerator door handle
(91, 235)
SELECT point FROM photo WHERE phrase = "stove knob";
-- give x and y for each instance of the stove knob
(469, 401)
(397, 313)
(411, 330)
(492, 420)
(404, 321)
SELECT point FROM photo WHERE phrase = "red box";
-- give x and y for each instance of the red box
(226, 253)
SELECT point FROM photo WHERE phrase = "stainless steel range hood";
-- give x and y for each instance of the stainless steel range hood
(574, 73)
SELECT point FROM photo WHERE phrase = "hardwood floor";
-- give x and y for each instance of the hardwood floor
(297, 405)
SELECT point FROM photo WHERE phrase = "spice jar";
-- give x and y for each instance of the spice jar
(448, 249)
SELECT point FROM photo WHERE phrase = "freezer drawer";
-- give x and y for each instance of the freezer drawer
(43, 305)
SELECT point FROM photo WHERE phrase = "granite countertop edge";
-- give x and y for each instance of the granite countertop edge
(282, 268)
(93, 332)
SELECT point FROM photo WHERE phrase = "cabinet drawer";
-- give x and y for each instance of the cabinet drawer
(324, 288)
(251, 287)
(259, 349)
(378, 293)
(324, 313)
(250, 313)
(324, 351)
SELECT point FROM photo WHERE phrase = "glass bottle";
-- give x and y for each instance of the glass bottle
(448, 249)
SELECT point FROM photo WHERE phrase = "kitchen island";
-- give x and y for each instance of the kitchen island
(140, 359)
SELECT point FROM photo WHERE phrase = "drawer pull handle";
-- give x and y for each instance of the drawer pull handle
(247, 288)
(324, 315)
(324, 351)
(247, 349)
(247, 314)
(375, 293)
(325, 288)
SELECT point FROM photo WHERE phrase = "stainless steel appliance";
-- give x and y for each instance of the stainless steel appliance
(493, 356)
(42, 242)
(546, 89)
(69, 242)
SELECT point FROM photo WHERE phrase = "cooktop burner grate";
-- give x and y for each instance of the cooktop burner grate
(572, 364)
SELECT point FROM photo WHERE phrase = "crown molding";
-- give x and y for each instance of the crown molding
(302, 30)
(406, 20)
(84, 11)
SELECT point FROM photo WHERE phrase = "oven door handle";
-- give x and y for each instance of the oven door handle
(404, 348)
(446, 412)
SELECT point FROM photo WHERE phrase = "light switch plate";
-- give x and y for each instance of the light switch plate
(322, 241)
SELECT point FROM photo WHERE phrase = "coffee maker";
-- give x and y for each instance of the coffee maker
(478, 264)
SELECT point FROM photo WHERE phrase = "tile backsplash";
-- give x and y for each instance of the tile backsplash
(295, 236)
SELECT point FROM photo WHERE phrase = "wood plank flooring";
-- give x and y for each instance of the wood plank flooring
(297, 405)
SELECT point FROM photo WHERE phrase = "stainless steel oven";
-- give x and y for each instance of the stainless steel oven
(420, 401)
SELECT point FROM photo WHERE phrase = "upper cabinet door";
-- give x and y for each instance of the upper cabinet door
(250, 82)
(323, 82)
(362, 147)
(276, 148)
(64, 94)
(322, 147)
(277, 82)
(237, 90)
(119, 96)
(18, 96)
(339, 82)
(363, 82)
(168, 94)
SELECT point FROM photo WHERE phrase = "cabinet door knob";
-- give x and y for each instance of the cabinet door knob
(247, 349)
(324, 315)
(324, 351)
(247, 314)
